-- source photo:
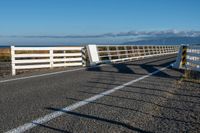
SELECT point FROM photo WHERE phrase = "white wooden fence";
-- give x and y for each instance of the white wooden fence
(114, 53)
(192, 58)
(44, 57)
(50, 57)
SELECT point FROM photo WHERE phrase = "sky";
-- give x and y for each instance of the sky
(94, 21)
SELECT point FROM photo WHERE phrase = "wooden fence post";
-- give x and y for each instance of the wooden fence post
(51, 57)
(13, 60)
(84, 56)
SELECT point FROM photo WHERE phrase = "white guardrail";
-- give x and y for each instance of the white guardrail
(50, 57)
(114, 53)
(192, 58)
(45, 57)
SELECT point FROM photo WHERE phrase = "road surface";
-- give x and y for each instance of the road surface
(139, 96)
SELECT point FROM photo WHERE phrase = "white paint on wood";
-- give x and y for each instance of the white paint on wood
(32, 66)
(13, 60)
(93, 53)
(47, 48)
(127, 54)
(44, 57)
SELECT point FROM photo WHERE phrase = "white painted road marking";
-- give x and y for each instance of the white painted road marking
(48, 74)
(53, 73)
(56, 114)
(41, 75)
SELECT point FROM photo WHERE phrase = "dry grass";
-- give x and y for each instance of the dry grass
(191, 76)
(5, 54)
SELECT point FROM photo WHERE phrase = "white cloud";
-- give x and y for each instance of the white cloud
(162, 33)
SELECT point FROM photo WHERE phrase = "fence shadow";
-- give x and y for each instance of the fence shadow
(140, 100)
(97, 118)
(143, 65)
(52, 128)
(134, 110)
(150, 94)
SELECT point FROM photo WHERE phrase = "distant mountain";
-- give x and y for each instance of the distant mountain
(166, 41)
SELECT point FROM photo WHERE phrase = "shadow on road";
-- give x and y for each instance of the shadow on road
(138, 111)
(156, 97)
(52, 128)
(142, 88)
(144, 101)
(140, 67)
(100, 119)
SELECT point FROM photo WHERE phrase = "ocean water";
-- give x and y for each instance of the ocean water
(4, 46)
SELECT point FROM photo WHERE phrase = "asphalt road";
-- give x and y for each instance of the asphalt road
(5, 68)
(158, 103)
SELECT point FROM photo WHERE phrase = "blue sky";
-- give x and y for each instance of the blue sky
(22, 18)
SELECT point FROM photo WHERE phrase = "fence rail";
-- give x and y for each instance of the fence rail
(50, 57)
(191, 58)
(114, 53)
(44, 57)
